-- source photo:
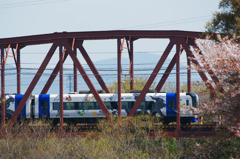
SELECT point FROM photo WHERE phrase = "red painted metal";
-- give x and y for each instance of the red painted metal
(176, 37)
(14, 57)
(75, 73)
(201, 73)
(131, 65)
(178, 53)
(53, 76)
(93, 68)
(2, 89)
(50, 38)
(119, 72)
(61, 85)
(151, 79)
(31, 86)
(18, 71)
(7, 54)
(207, 67)
(88, 81)
(189, 88)
(166, 73)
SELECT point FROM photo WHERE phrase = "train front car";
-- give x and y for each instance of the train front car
(163, 105)
(11, 104)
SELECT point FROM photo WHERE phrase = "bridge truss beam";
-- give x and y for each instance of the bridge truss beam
(71, 41)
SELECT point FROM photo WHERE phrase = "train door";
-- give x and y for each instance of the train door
(171, 104)
(44, 106)
(22, 114)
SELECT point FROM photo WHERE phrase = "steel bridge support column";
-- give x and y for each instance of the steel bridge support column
(151, 79)
(189, 88)
(18, 70)
(178, 50)
(61, 85)
(75, 72)
(2, 89)
(31, 86)
(131, 65)
(119, 72)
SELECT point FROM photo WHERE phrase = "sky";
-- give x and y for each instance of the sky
(32, 17)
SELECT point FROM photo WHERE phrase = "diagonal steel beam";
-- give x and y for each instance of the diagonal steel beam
(53, 75)
(151, 79)
(92, 67)
(207, 66)
(167, 73)
(32, 85)
(88, 81)
(130, 52)
(201, 73)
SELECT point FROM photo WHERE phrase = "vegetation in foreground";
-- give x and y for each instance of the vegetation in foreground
(119, 140)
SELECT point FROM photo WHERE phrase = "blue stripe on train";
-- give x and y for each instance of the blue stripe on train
(22, 114)
(43, 103)
(171, 104)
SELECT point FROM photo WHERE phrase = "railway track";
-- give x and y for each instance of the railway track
(94, 127)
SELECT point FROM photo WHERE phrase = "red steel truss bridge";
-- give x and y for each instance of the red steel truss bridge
(68, 43)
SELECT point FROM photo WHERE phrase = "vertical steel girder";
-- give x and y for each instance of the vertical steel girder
(75, 72)
(130, 51)
(88, 81)
(2, 89)
(202, 74)
(18, 71)
(92, 67)
(53, 76)
(61, 85)
(189, 88)
(32, 85)
(151, 79)
(178, 50)
(119, 72)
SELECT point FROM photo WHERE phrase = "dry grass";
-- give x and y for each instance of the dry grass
(127, 139)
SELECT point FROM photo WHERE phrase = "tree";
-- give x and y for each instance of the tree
(223, 58)
(227, 21)
(139, 83)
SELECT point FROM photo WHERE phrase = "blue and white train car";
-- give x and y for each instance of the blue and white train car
(84, 107)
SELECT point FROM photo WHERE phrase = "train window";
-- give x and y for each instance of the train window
(56, 106)
(44, 106)
(69, 106)
(171, 104)
(150, 105)
(187, 102)
(88, 105)
(142, 105)
(114, 105)
(108, 105)
(125, 105)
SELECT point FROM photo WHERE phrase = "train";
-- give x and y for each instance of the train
(83, 107)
